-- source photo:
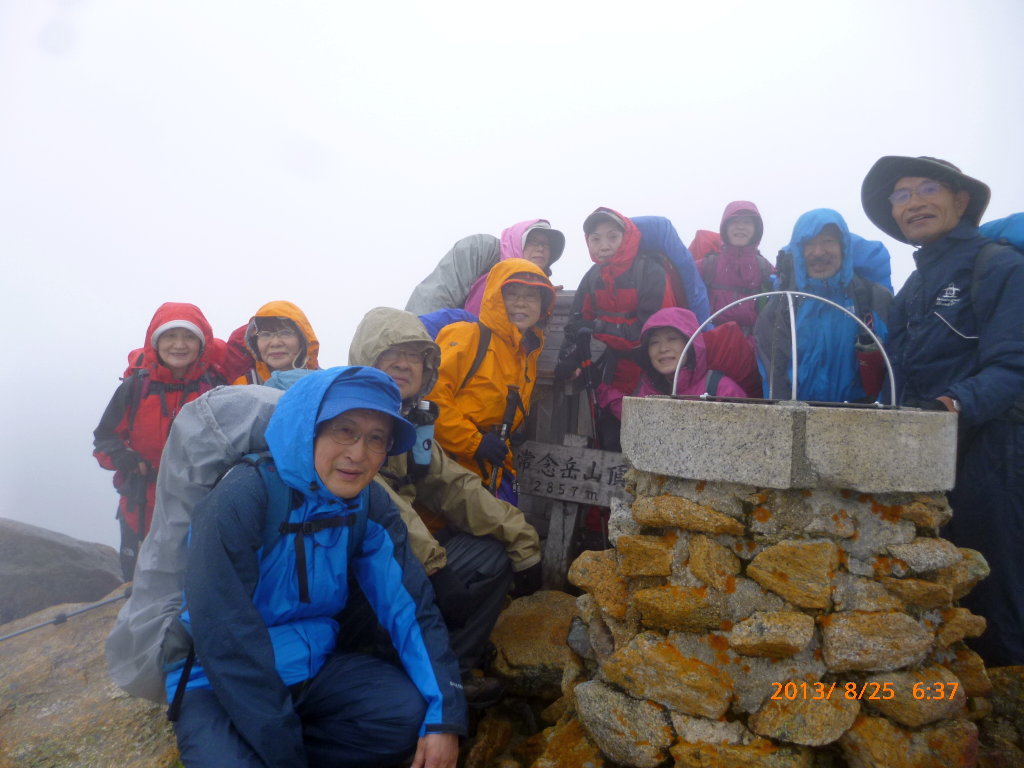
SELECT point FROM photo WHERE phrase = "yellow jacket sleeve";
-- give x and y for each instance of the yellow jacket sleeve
(456, 433)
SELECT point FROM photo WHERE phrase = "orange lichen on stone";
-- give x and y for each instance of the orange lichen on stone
(798, 571)
(699, 488)
(646, 555)
(712, 563)
(762, 515)
(807, 493)
(718, 642)
(676, 512)
(690, 609)
(569, 746)
(730, 585)
(597, 574)
(918, 593)
(891, 514)
(846, 493)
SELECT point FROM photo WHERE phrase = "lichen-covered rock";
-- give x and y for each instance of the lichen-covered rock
(875, 742)
(775, 635)
(927, 511)
(958, 623)
(793, 513)
(621, 522)
(700, 730)
(597, 574)
(530, 638)
(575, 672)
(652, 668)
(600, 639)
(753, 678)
(873, 642)
(918, 593)
(963, 576)
(760, 754)
(631, 732)
(856, 593)
(569, 746)
(878, 527)
(492, 736)
(800, 571)
(712, 563)
(804, 719)
(677, 512)
(941, 695)
(748, 597)
(970, 670)
(1007, 696)
(726, 498)
(689, 609)
(927, 554)
(646, 555)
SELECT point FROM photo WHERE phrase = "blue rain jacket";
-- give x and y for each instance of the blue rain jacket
(254, 637)
(950, 339)
(658, 234)
(826, 338)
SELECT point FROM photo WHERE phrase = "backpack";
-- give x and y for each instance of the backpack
(671, 274)
(481, 350)
(709, 269)
(711, 382)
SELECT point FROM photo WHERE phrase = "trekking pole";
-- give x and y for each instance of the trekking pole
(60, 618)
(583, 346)
(504, 429)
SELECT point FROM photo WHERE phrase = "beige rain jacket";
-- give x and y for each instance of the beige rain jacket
(449, 493)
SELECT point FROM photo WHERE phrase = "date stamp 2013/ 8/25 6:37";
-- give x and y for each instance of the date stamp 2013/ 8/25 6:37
(871, 690)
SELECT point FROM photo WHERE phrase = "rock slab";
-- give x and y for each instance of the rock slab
(530, 636)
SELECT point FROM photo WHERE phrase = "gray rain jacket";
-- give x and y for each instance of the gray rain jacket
(448, 285)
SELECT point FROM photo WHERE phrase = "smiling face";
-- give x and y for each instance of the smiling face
(926, 218)
(404, 364)
(739, 230)
(823, 254)
(604, 242)
(537, 248)
(178, 348)
(345, 470)
(278, 343)
(523, 304)
(664, 348)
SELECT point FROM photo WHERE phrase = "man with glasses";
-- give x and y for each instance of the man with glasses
(473, 546)
(957, 344)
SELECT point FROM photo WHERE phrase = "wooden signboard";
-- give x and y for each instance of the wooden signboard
(569, 473)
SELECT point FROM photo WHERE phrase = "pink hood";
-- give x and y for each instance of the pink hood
(511, 244)
(742, 208)
(691, 379)
(737, 271)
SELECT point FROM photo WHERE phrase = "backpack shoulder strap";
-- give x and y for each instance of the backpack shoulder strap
(481, 350)
(765, 270)
(280, 499)
(981, 263)
(711, 381)
(709, 267)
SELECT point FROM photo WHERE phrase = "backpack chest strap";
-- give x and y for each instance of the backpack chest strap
(308, 528)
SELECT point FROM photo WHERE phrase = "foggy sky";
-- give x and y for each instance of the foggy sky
(329, 153)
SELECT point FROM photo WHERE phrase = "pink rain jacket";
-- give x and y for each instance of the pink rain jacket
(511, 244)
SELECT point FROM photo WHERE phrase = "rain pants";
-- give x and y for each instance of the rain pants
(950, 336)
(458, 280)
(259, 648)
(471, 408)
(259, 372)
(828, 368)
(140, 415)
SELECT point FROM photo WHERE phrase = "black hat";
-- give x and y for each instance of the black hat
(882, 178)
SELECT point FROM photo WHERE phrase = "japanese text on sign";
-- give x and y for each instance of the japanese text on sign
(582, 475)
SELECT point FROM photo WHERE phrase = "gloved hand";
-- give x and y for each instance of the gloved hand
(492, 449)
(128, 461)
(528, 580)
(927, 405)
(582, 340)
(453, 599)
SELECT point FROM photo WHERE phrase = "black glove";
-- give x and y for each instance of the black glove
(582, 339)
(528, 580)
(452, 597)
(492, 449)
(127, 461)
(927, 405)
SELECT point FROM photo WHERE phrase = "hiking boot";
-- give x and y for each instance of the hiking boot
(482, 692)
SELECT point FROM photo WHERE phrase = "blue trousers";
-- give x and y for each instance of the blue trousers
(358, 711)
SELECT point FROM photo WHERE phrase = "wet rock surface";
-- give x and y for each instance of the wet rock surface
(531, 640)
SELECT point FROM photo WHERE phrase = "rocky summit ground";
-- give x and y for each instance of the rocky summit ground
(60, 709)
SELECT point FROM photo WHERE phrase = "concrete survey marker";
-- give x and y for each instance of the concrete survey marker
(792, 445)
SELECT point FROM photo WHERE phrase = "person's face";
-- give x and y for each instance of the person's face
(350, 449)
(279, 348)
(178, 349)
(537, 249)
(740, 230)
(523, 304)
(404, 364)
(932, 211)
(665, 347)
(604, 242)
(823, 255)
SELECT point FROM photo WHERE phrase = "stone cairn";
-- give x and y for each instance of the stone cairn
(777, 595)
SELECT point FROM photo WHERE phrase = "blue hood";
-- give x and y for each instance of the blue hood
(292, 429)
(808, 227)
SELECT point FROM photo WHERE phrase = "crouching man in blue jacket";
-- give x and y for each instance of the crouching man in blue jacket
(267, 687)
(957, 343)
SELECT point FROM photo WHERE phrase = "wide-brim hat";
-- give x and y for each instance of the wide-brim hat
(882, 178)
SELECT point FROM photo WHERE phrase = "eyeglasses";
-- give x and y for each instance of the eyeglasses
(924, 190)
(530, 297)
(349, 434)
(538, 243)
(413, 356)
(284, 334)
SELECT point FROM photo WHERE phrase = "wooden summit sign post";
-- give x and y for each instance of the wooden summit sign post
(576, 476)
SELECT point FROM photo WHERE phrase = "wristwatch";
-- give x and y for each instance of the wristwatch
(956, 404)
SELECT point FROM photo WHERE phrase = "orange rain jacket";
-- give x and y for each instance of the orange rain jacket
(467, 412)
(260, 372)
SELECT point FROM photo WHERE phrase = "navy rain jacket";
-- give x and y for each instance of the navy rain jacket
(254, 637)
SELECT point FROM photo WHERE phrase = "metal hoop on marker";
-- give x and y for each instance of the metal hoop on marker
(792, 328)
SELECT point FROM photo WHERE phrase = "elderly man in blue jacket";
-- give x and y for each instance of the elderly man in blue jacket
(957, 343)
(266, 685)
